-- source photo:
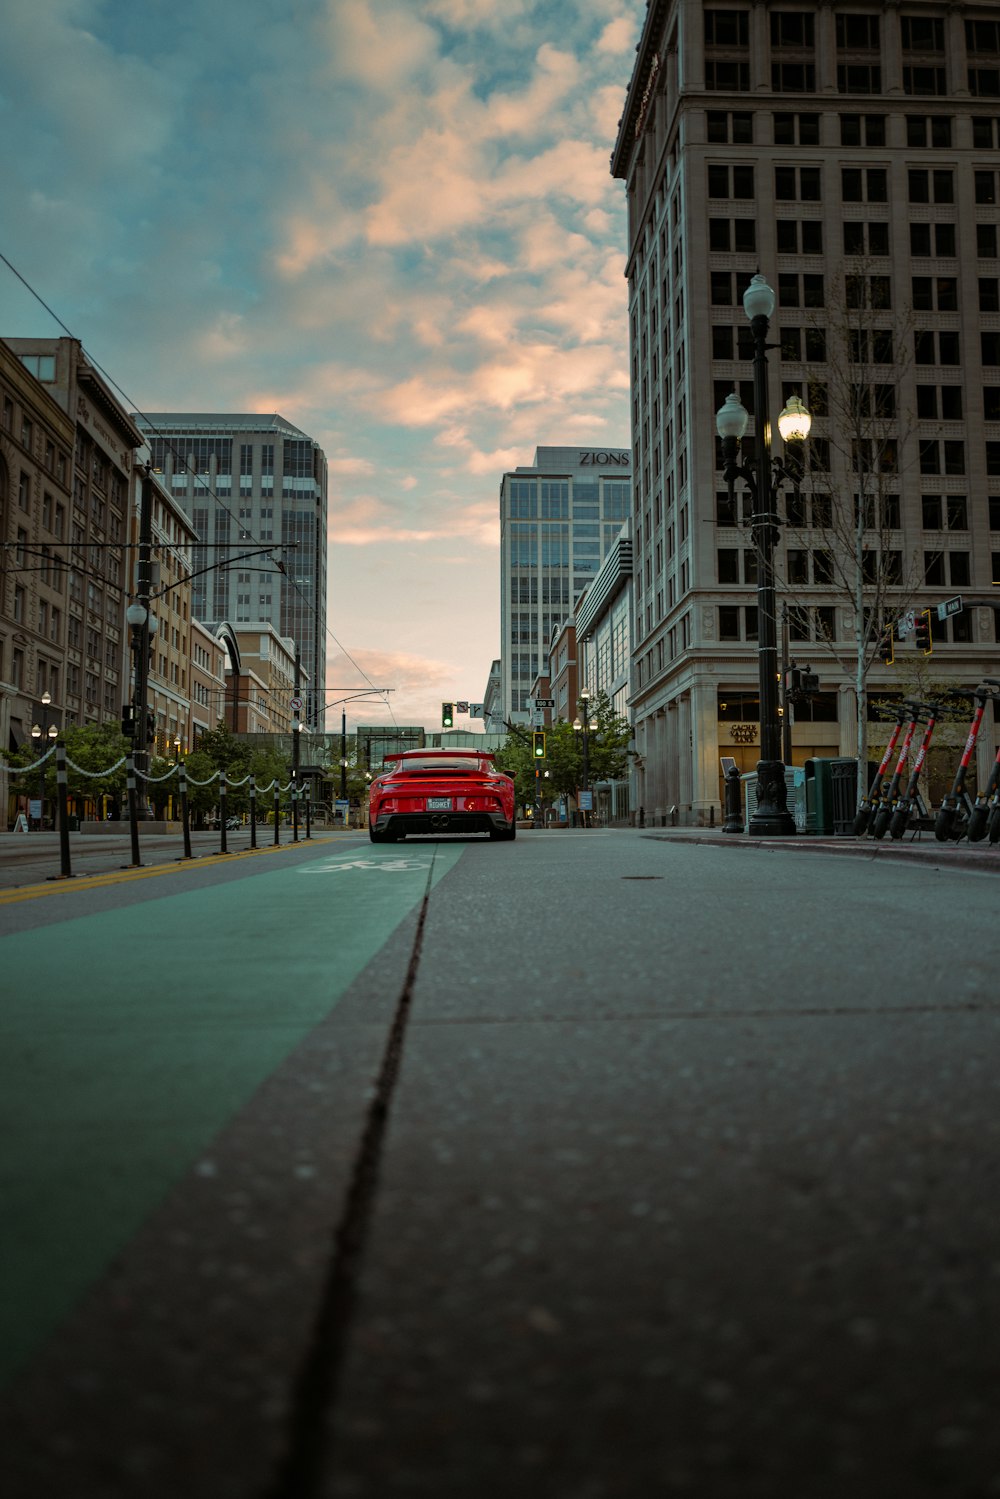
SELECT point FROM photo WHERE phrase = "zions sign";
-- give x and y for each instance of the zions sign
(614, 456)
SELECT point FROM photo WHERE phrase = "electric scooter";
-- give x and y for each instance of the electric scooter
(954, 817)
(884, 811)
(871, 801)
(912, 801)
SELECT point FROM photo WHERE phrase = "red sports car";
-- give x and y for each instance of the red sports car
(441, 791)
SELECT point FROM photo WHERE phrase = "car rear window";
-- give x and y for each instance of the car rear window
(439, 765)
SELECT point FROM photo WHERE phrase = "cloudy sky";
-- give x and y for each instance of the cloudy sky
(392, 221)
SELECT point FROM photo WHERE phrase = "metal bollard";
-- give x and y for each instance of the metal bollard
(253, 812)
(734, 802)
(185, 811)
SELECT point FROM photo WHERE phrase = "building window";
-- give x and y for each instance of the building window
(936, 186)
(865, 239)
(727, 28)
(924, 80)
(939, 402)
(729, 621)
(862, 130)
(798, 184)
(796, 129)
(728, 75)
(730, 128)
(800, 237)
(793, 77)
(928, 130)
(871, 292)
(932, 239)
(728, 564)
(739, 235)
(727, 287)
(938, 348)
(730, 182)
(864, 184)
(934, 293)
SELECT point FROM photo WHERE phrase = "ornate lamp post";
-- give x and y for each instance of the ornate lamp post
(143, 626)
(582, 726)
(40, 733)
(763, 476)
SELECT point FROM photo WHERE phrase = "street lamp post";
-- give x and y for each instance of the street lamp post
(40, 733)
(763, 476)
(143, 626)
(583, 726)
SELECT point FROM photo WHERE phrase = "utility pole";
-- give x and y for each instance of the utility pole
(143, 630)
(296, 729)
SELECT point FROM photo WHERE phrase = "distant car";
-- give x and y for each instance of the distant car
(441, 791)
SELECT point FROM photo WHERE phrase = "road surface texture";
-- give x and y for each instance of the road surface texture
(600, 1165)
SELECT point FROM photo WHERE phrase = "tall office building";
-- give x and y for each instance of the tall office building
(558, 520)
(248, 482)
(852, 155)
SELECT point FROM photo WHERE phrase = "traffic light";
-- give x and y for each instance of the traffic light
(538, 746)
(886, 651)
(128, 720)
(923, 632)
(150, 728)
(447, 715)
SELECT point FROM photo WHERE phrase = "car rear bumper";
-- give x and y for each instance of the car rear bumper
(440, 822)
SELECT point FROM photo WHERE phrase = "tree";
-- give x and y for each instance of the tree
(95, 748)
(608, 753)
(843, 529)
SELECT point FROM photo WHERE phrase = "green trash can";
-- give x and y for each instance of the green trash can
(819, 808)
(830, 796)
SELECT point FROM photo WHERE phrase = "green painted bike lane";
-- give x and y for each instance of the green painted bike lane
(128, 1039)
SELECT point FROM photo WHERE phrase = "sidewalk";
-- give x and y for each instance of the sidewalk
(922, 849)
(33, 858)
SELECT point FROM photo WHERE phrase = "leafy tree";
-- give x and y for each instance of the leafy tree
(842, 531)
(95, 748)
(608, 753)
(201, 799)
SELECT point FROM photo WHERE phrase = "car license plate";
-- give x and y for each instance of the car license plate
(439, 804)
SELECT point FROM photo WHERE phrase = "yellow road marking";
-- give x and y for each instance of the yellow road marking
(61, 883)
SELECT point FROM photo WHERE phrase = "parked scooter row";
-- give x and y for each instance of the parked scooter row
(960, 816)
(890, 806)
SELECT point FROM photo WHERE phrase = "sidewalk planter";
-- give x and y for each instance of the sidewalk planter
(831, 796)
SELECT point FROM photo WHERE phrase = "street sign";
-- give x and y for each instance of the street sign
(296, 704)
(906, 624)
(949, 607)
(461, 707)
(545, 702)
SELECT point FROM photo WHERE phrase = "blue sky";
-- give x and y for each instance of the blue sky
(390, 220)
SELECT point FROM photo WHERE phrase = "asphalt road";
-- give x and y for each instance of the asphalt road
(593, 1166)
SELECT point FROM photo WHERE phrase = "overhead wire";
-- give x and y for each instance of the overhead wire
(133, 405)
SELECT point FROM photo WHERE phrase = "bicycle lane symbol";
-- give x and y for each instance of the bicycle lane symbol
(389, 866)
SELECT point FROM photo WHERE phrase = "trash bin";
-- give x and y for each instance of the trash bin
(73, 823)
(830, 796)
(844, 786)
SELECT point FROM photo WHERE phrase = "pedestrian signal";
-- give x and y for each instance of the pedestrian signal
(922, 626)
(538, 746)
(447, 715)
